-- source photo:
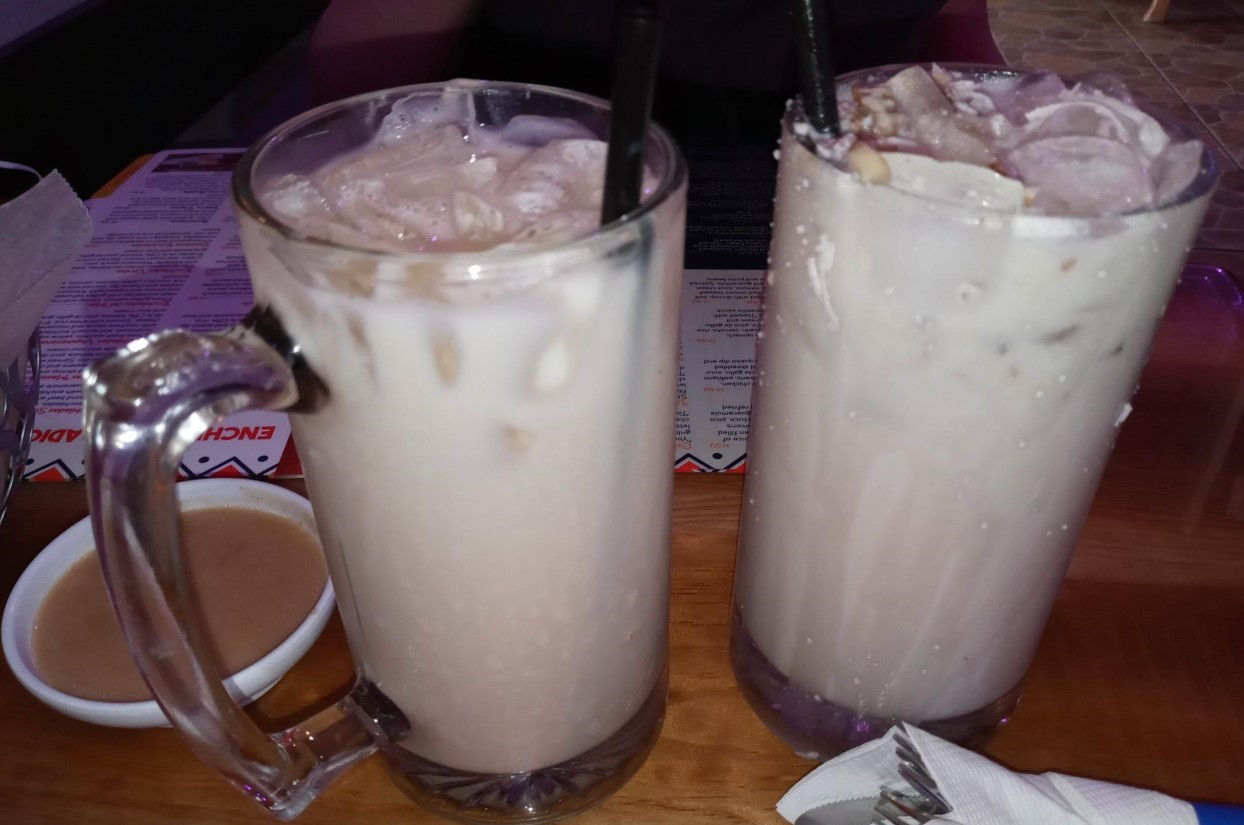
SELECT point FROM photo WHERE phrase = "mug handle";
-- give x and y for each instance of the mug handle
(144, 406)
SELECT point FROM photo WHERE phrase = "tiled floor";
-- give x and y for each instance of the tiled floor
(1190, 67)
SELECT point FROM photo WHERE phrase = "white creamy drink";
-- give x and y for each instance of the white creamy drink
(962, 293)
(491, 472)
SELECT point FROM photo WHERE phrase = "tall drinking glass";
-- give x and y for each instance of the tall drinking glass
(939, 386)
(486, 438)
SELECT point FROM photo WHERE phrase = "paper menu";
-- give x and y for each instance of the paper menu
(166, 254)
(720, 317)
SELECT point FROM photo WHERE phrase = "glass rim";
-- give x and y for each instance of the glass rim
(1201, 185)
(244, 197)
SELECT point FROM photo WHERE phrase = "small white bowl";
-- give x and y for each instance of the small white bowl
(76, 542)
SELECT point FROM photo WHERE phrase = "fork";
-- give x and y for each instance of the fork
(921, 806)
(927, 802)
(899, 809)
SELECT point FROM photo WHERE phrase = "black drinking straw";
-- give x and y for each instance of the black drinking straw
(637, 35)
(816, 66)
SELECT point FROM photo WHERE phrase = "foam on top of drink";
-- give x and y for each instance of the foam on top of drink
(434, 180)
(1011, 142)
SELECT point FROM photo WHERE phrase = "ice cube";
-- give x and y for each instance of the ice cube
(448, 358)
(537, 130)
(371, 208)
(1089, 112)
(476, 218)
(955, 182)
(963, 92)
(1174, 170)
(1147, 135)
(917, 94)
(436, 178)
(1110, 85)
(1014, 97)
(1074, 117)
(1081, 175)
(554, 367)
(478, 172)
(550, 175)
(416, 114)
(959, 138)
(559, 226)
(537, 197)
(294, 197)
(418, 156)
(361, 206)
(943, 78)
(431, 218)
(583, 155)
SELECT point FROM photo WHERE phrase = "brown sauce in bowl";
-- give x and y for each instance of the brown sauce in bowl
(255, 575)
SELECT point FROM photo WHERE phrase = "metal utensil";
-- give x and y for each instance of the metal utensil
(921, 804)
(912, 768)
(847, 812)
(899, 809)
(927, 801)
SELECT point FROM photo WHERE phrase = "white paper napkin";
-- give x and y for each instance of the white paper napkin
(41, 233)
(982, 792)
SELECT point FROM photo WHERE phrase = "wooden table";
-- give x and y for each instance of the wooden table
(1139, 678)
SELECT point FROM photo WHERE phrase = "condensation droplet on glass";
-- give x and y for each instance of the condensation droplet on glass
(1065, 527)
(1062, 379)
(851, 413)
(1040, 393)
(984, 525)
(1021, 444)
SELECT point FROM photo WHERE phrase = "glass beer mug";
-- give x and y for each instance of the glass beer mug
(487, 440)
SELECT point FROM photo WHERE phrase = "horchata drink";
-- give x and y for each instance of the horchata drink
(490, 467)
(962, 291)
